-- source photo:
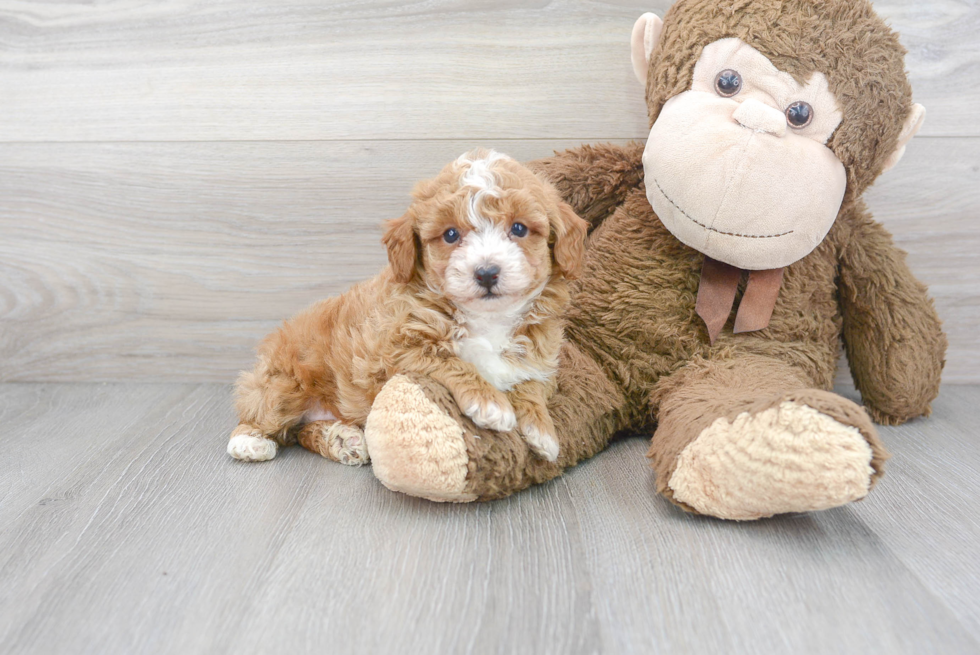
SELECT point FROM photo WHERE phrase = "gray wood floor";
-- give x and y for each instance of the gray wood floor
(124, 528)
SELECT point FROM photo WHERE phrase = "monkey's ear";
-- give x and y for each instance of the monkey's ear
(912, 125)
(646, 33)
(399, 238)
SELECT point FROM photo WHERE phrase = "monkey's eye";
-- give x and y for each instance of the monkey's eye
(451, 235)
(728, 83)
(518, 229)
(799, 114)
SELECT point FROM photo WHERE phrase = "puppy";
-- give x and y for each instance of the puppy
(473, 298)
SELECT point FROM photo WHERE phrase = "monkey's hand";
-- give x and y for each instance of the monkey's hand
(594, 179)
(892, 335)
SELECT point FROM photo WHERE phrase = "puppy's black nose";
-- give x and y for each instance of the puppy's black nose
(487, 277)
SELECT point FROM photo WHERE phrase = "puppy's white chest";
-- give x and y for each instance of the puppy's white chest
(492, 351)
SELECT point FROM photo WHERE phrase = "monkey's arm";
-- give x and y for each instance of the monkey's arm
(893, 337)
(594, 179)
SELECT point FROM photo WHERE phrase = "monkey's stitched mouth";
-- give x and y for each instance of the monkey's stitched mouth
(708, 227)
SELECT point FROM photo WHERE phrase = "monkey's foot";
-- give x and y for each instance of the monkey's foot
(786, 458)
(416, 447)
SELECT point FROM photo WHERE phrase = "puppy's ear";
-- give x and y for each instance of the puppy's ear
(570, 232)
(399, 239)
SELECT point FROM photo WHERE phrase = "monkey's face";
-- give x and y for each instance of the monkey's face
(737, 166)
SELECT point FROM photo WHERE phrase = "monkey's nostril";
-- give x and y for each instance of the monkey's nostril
(487, 276)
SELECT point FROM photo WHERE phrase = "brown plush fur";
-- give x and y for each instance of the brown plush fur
(639, 357)
(337, 355)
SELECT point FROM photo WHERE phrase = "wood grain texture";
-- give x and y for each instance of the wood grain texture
(130, 70)
(925, 511)
(169, 261)
(126, 529)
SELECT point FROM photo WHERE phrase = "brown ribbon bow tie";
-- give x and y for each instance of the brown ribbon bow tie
(716, 295)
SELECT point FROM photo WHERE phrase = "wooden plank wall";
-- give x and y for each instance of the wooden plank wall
(176, 176)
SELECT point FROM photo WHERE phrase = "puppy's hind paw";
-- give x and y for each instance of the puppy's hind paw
(493, 416)
(347, 445)
(252, 447)
(543, 444)
(341, 442)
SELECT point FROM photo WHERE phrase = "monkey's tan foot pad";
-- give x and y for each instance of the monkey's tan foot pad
(416, 447)
(341, 442)
(787, 458)
(249, 445)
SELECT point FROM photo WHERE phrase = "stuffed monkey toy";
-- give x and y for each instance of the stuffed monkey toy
(728, 259)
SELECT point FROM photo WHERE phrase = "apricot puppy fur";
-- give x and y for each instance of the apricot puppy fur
(473, 298)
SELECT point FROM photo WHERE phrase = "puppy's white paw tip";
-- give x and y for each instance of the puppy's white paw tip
(549, 449)
(252, 448)
(493, 417)
(542, 443)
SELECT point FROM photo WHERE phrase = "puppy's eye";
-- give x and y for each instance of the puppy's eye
(518, 229)
(728, 83)
(451, 235)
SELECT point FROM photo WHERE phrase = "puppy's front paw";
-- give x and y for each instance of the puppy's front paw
(492, 414)
(543, 443)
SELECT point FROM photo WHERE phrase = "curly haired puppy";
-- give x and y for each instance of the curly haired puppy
(473, 298)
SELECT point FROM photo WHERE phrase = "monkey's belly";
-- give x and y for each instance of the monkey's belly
(634, 308)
